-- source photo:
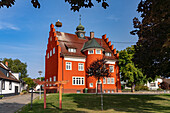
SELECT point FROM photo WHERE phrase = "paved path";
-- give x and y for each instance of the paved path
(13, 103)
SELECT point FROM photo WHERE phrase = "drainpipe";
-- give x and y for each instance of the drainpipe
(116, 79)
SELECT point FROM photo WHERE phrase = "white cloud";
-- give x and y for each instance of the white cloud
(4, 25)
(112, 17)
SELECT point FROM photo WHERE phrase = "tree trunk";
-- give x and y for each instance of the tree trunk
(132, 88)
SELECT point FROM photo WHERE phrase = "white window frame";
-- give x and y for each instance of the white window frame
(3, 84)
(54, 50)
(72, 50)
(111, 71)
(81, 66)
(90, 84)
(78, 80)
(69, 64)
(54, 78)
(89, 51)
(50, 53)
(104, 80)
(108, 81)
(112, 81)
(108, 54)
(98, 50)
(108, 91)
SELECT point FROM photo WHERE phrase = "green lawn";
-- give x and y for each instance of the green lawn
(112, 103)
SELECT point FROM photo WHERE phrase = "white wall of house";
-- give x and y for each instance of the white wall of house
(7, 91)
(154, 85)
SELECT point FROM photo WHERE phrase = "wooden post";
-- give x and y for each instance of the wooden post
(60, 96)
(44, 97)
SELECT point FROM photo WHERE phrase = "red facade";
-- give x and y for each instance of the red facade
(65, 60)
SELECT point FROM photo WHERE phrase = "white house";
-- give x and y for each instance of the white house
(154, 85)
(9, 82)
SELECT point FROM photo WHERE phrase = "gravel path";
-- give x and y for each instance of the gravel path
(13, 103)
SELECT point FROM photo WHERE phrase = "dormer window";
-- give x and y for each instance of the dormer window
(72, 50)
(91, 52)
(107, 54)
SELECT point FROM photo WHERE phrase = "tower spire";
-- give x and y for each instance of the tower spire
(80, 19)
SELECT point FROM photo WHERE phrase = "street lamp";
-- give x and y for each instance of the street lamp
(40, 72)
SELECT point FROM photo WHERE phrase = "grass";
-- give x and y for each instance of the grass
(84, 103)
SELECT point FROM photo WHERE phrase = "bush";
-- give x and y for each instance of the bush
(1, 96)
(122, 87)
(24, 91)
(159, 89)
(137, 88)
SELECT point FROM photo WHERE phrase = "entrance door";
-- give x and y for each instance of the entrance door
(16, 90)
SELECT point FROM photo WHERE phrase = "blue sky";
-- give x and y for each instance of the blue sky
(24, 30)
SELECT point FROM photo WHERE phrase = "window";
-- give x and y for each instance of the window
(68, 66)
(152, 85)
(51, 53)
(104, 80)
(108, 91)
(72, 50)
(91, 52)
(81, 67)
(104, 91)
(50, 79)
(91, 84)
(47, 55)
(112, 81)
(10, 85)
(111, 69)
(107, 54)
(54, 78)
(54, 50)
(47, 80)
(108, 80)
(98, 51)
(50, 38)
(78, 81)
(3, 85)
(112, 91)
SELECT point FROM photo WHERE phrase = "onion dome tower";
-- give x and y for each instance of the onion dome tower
(80, 30)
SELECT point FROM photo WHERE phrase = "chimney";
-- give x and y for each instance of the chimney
(91, 35)
(6, 63)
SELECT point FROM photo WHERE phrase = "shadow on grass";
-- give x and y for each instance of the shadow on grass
(123, 103)
(51, 108)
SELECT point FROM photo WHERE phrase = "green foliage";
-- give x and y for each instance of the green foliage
(30, 82)
(24, 91)
(1, 96)
(122, 87)
(141, 87)
(17, 66)
(159, 89)
(75, 4)
(42, 78)
(153, 47)
(128, 69)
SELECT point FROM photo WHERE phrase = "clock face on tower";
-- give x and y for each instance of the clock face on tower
(81, 35)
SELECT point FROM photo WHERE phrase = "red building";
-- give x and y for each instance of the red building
(68, 56)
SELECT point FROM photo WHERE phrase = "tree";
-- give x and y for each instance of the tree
(30, 82)
(128, 69)
(153, 47)
(75, 4)
(42, 78)
(98, 69)
(17, 66)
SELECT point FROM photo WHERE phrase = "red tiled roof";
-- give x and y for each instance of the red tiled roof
(11, 77)
(67, 40)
